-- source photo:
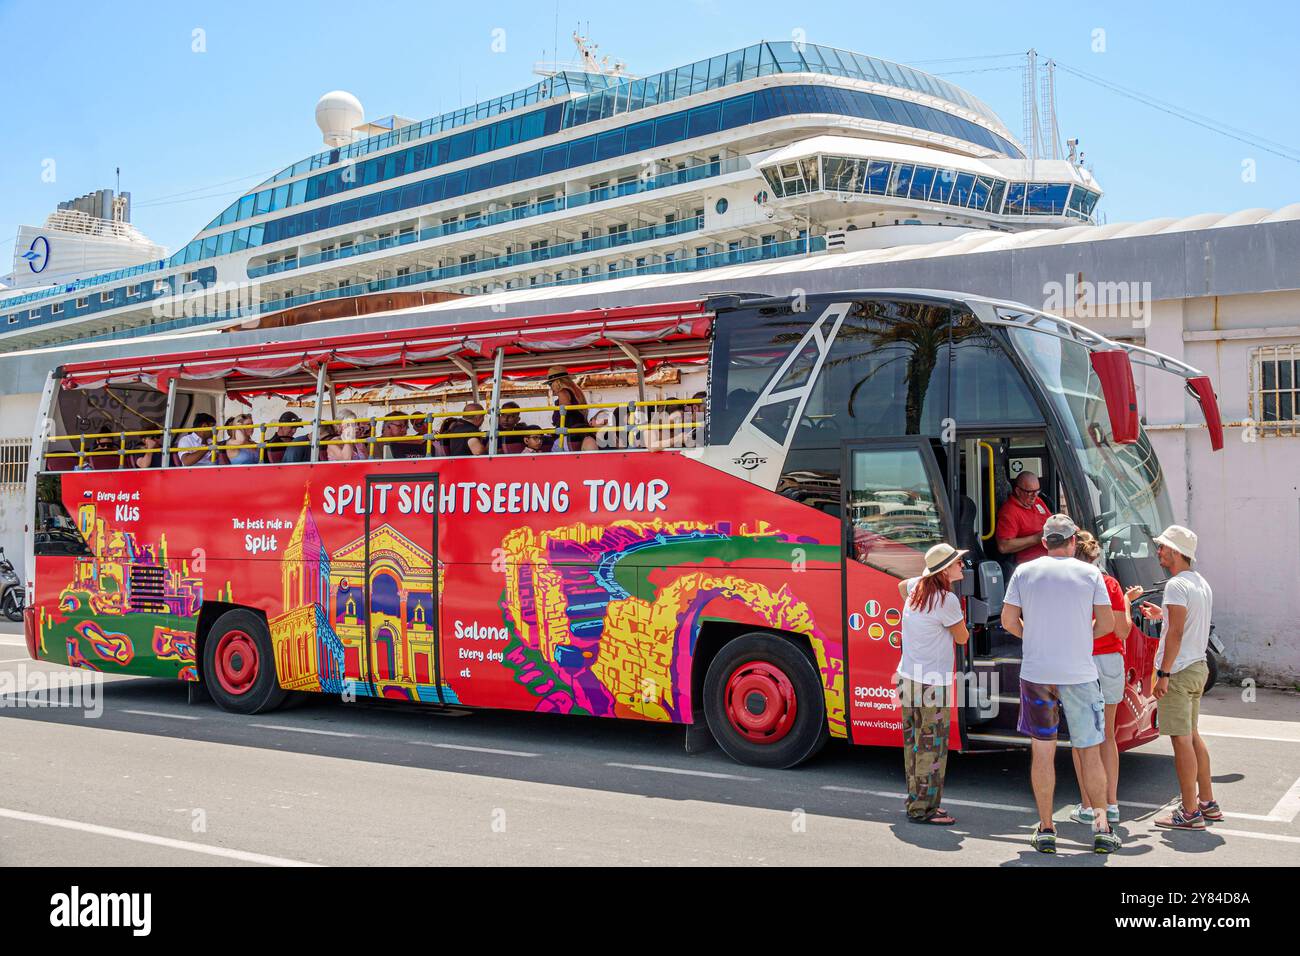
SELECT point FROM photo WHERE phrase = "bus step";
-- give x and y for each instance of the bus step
(1006, 741)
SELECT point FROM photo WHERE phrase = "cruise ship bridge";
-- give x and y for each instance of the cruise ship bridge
(773, 151)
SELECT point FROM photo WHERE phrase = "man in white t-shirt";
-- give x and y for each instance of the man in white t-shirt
(1058, 605)
(193, 447)
(1181, 671)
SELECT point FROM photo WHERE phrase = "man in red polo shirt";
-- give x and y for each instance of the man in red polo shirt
(1021, 518)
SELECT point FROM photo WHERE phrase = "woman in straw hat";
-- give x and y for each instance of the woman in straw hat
(932, 624)
(565, 391)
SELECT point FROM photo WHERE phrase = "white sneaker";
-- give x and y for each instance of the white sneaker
(1112, 813)
(1084, 815)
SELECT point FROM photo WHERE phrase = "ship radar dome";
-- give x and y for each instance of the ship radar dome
(337, 114)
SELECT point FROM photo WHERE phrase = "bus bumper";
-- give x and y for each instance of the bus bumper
(29, 630)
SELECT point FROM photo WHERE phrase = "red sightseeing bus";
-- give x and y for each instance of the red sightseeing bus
(695, 512)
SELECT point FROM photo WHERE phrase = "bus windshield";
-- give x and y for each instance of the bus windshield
(1124, 483)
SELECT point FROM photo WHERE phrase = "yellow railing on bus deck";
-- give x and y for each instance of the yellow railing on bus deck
(370, 438)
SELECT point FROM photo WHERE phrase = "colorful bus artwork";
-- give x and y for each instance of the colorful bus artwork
(693, 513)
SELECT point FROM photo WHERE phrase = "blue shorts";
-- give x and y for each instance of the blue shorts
(1085, 712)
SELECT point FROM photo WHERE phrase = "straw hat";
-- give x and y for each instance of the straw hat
(1182, 540)
(939, 557)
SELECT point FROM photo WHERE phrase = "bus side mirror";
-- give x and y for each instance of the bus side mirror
(1203, 391)
(1115, 372)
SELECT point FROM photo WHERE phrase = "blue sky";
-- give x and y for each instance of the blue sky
(94, 86)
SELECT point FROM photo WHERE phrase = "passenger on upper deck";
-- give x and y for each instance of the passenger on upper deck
(349, 448)
(393, 448)
(471, 420)
(508, 421)
(240, 434)
(194, 442)
(147, 453)
(288, 432)
(565, 391)
(1019, 529)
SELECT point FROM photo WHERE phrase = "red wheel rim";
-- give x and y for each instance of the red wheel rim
(760, 702)
(236, 662)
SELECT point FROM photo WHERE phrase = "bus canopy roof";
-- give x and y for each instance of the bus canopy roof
(400, 353)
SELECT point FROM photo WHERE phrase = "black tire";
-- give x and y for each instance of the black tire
(752, 661)
(243, 640)
(13, 608)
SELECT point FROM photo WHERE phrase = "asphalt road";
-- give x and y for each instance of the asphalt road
(144, 778)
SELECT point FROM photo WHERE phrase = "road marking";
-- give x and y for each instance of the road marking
(1172, 800)
(1284, 811)
(1277, 837)
(686, 773)
(1252, 728)
(14, 642)
(477, 750)
(1010, 807)
(305, 730)
(135, 837)
(158, 713)
(1288, 807)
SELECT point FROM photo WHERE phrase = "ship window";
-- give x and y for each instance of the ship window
(737, 112)
(582, 151)
(962, 191)
(554, 158)
(609, 145)
(503, 171)
(670, 129)
(921, 180)
(1015, 199)
(705, 119)
(480, 177)
(528, 165)
(640, 136)
(460, 147)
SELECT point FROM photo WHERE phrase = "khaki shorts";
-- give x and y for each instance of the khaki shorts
(1179, 709)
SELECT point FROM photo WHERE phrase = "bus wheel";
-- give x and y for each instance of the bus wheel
(238, 664)
(764, 702)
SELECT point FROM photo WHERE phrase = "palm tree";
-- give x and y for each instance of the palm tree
(907, 332)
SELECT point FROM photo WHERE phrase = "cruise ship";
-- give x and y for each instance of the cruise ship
(777, 150)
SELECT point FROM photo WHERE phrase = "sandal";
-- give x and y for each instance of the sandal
(937, 817)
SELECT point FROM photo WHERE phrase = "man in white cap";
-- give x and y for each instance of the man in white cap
(1181, 671)
(1058, 605)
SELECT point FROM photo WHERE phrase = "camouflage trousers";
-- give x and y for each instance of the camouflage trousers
(926, 710)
